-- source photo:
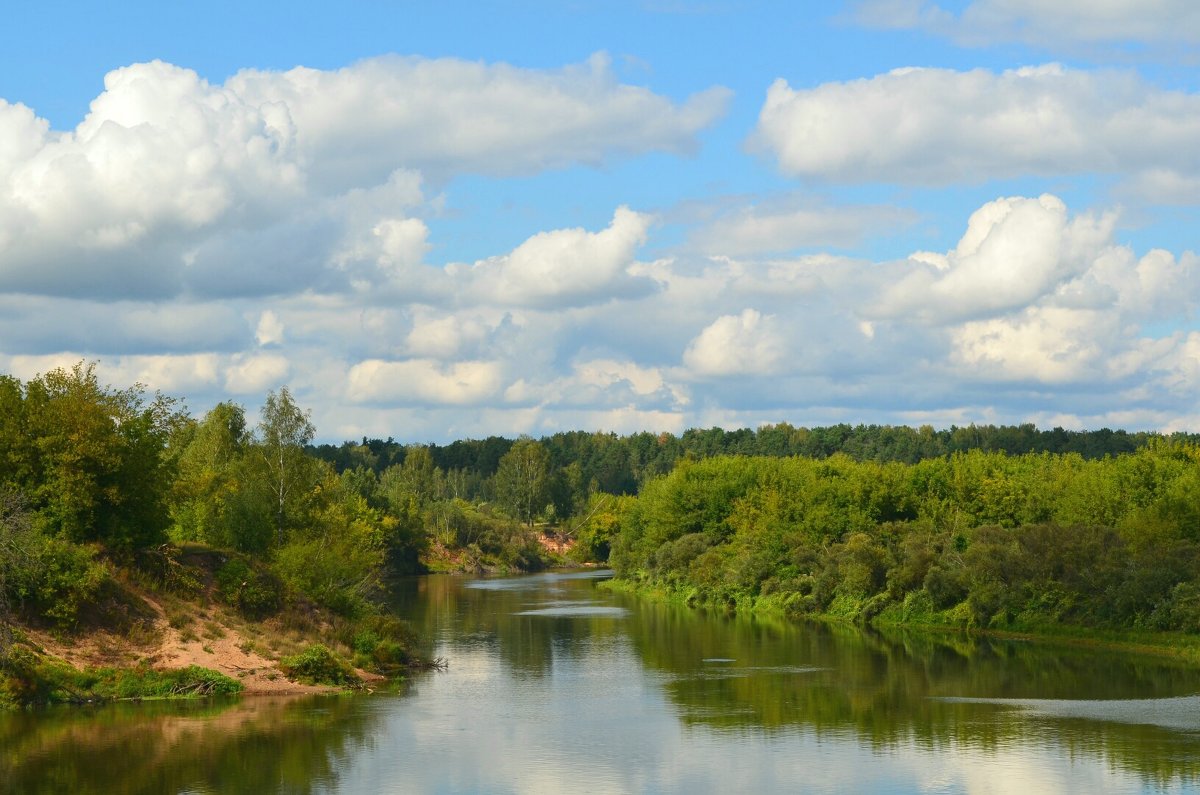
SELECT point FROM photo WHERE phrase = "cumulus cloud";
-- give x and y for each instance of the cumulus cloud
(603, 385)
(277, 182)
(448, 116)
(745, 344)
(270, 329)
(1037, 313)
(1151, 22)
(1014, 251)
(937, 126)
(1033, 295)
(256, 373)
(170, 374)
(564, 267)
(446, 336)
(424, 381)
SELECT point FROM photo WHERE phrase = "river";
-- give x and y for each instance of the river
(557, 685)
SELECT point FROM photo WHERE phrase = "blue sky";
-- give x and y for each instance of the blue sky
(460, 219)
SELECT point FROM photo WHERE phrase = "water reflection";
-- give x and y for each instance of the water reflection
(256, 745)
(555, 685)
(756, 683)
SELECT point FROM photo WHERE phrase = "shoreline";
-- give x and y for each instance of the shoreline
(1184, 648)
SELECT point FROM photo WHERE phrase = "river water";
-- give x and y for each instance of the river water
(557, 685)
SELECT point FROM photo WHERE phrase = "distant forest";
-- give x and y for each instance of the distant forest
(618, 465)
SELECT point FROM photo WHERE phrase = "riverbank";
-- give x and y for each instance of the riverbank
(1178, 646)
(147, 641)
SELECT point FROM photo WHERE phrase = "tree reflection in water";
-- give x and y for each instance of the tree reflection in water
(256, 745)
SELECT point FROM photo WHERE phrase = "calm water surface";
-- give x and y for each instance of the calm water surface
(556, 685)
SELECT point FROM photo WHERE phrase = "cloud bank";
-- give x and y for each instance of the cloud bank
(223, 240)
(277, 182)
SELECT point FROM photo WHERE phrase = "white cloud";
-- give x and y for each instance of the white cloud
(745, 344)
(1046, 24)
(270, 329)
(452, 116)
(27, 367)
(602, 385)
(446, 336)
(604, 373)
(1042, 345)
(169, 374)
(274, 183)
(1037, 313)
(423, 381)
(1014, 251)
(172, 374)
(256, 373)
(564, 267)
(939, 126)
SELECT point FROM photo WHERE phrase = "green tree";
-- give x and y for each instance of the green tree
(288, 472)
(16, 447)
(102, 471)
(215, 498)
(522, 479)
(14, 555)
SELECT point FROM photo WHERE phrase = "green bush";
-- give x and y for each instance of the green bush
(254, 593)
(317, 665)
(383, 644)
(338, 575)
(57, 580)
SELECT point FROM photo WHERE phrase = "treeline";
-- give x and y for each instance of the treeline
(976, 539)
(612, 464)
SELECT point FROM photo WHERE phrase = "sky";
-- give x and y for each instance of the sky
(450, 220)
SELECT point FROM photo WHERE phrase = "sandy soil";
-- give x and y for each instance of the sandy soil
(164, 647)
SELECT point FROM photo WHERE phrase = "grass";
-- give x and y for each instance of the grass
(30, 678)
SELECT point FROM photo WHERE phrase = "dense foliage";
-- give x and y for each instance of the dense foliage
(980, 526)
(580, 461)
(99, 486)
(974, 539)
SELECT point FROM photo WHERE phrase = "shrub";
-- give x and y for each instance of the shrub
(383, 644)
(317, 665)
(58, 580)
(339, 575)
(254, 593)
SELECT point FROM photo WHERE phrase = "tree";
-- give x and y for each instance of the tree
(210, 501)
(283, 432)
(101, 469)
(16, 446)
(14, 532)
(522, 479)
